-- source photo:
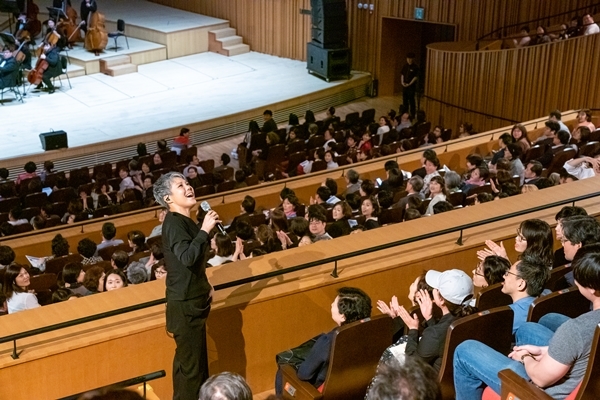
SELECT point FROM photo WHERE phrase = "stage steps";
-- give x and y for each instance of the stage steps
(117, 65)
(226, 42)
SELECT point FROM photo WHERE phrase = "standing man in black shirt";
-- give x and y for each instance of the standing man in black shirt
(270, 125)
(189, 294)
(410, 77)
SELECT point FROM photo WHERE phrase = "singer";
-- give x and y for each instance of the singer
(189, 294)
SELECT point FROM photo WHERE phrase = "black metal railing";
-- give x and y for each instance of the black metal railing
(14, 337)
(468, 110)
(123, 384)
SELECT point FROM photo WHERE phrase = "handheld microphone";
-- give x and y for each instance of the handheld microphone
(206, 207)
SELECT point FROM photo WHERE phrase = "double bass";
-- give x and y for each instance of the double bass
(96, 37)
(69, 27)
(33, 23)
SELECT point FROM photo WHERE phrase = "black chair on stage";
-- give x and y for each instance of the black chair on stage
(9, 83)
(120, 32)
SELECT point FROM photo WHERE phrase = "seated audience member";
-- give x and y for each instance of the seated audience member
(544, 183)
(331, 184)
(524, 282)
(94, 280)
(583, 167)
(269, 241)
(534, 236)
(352, 182)
(533, 172)
(478, 178)
(541, 37)
(565, 212)
(578, 231)
(136, 273)
(194, 162)
(385, 199)
(157, 230)
(225, 160)
(431, 170)
(7, 256)
(126, 181)
(465, 130)
(87, 248)
(192, 177)
(589, 26)
(240, 179)
(442, 207)
(329, 158)
(109, 231)
(411, 213)
(15, 289)
(156, 254)
(316, 224)
(182, 141)
(247, 207)
(411, 379)
(555, 361)
(162, 147)
(72, 278)
(550, 129)
(556, 116)
(137, 242)
(30, 172)
(452, 182)
(4, 175)
(63, 294)
(119, 260)
(350, 305)
(519, 133)
(559, 142)
(473, 161)
(158, 271)
(15, 216)
(437, 191)
(224, 249)
(290, 206)
(504, 140)
(512, 154)
(225, 386)
(322, 197)
(490, 271)
(341, 214)
(370, 210)
(367, 188)
(413, 188)
(452, 291)
(114, 279)
(388, 166)
(527, 188)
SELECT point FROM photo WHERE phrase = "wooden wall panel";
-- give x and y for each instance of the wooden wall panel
(516, 84)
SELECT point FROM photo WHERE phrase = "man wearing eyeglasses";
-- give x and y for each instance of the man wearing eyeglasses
(577, 232)
(524, 282)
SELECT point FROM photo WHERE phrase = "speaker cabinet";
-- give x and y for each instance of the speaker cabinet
(329, 23)
(329, 64)
(54, 140)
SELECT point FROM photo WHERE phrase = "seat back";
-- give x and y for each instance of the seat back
(56, 265)
(560, 159)
(557, 279)
(7, 204)
(457, 198)
(392, 216)
(492, 297)
(207, 165)
(534, 153)
(225, 186)
(352, 119)
(490, 327)
(355, 352)
(568, 302)
(121, 25)
(108, 251)
(319, 165)
(368, 116)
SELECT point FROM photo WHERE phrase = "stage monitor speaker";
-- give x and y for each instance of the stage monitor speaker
(329, 23)
(330, 64)
(54, 140)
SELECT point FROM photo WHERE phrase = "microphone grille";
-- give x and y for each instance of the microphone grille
(205, 206)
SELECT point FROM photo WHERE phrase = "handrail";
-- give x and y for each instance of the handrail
(123, 384)
(536, 20)
(512, 121)
(14, 337)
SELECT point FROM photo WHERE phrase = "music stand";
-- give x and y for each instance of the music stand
(11, 8)
(8, 39)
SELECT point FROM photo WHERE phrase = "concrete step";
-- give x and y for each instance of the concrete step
(236, 49)
(113, 61)
(118, 70)
(231, 41)
(221, 33)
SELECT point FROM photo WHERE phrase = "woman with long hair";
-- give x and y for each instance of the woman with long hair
(15, 289)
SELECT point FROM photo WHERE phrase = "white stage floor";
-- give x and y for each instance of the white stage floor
(161, 95)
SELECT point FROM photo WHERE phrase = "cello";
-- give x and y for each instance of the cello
(36, 74)
(96, 37)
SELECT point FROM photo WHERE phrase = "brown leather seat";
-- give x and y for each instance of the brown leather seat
(56, 265)
(355, 352)
(107, 252)
(491, 327)
(492, 297)
(568, 302)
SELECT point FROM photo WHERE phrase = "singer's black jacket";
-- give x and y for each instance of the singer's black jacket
(184, 247)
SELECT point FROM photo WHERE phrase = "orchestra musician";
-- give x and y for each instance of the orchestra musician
(51, 55)
(87, 7)
(8, 65)
(23, 35)
(62, 41)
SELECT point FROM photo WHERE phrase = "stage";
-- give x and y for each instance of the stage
(212, 94)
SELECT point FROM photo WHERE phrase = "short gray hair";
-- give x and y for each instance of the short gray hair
(136, 273)
(353, 176)
(162, 187)
(452, 180)
(225, 386)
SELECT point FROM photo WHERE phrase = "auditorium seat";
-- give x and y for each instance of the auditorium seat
(491, 327)
(107, 252)
(7, 204)
(568, 302)
(55, 265)
(557, 279)
(35, 200)
(492, 297)
(355, 352)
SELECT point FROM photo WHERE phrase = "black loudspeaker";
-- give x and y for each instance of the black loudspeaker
(54, 140)
(330, 64)
(329, 23)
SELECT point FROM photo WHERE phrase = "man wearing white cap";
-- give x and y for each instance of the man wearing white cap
(452, 291)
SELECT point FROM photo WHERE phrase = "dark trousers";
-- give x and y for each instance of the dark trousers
(186, 320)
(47, 79)
(408, 100)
